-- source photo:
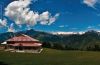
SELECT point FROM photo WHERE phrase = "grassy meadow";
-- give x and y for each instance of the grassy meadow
(51, 57)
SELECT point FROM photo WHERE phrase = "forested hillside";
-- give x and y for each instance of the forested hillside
(88, 41)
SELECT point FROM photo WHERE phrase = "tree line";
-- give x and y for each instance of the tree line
(89, 41)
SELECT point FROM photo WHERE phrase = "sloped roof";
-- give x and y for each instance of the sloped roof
(22, 38)
(24, 44)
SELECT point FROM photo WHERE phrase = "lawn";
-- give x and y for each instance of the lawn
(51, 57)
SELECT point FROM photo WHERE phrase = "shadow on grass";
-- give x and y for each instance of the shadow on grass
(2, 63)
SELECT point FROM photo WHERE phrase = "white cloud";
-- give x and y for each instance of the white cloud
(44, 17)
(61, 26)
(90, 27)
(11, 28)
(90, 3)
(3, 23)
(53, 19)
(19, 12)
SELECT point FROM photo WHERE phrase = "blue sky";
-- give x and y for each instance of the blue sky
(74, 15)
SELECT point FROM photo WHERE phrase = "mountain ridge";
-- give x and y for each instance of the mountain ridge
(74, 41)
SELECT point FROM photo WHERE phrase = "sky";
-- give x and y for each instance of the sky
(49, 15)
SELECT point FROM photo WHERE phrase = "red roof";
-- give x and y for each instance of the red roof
(22, 38)
(26, 44)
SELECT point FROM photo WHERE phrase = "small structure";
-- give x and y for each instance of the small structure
(4, 43)
(23, 43)
(1, 47)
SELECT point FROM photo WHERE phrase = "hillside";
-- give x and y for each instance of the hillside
(89, 40)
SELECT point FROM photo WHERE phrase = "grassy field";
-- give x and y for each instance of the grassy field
(51, 57)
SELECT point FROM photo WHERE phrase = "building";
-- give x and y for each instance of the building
(23, 43)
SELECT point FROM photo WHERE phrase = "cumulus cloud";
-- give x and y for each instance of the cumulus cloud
(46, 18)
(53, 19)
(3, 23)
(11, 28)
(61, 26)
(90, 3)
(20, 12)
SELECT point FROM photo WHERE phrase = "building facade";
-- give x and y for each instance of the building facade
(23, 43)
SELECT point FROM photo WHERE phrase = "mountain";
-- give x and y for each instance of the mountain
(67, 33)
(35, 34)
(89, 40)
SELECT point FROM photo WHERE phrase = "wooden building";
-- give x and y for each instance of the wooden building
(23, 43)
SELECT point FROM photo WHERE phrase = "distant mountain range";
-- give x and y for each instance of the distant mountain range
(74, 40)
(67, 33)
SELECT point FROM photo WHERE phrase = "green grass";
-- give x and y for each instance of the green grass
(51, 57)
